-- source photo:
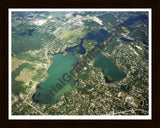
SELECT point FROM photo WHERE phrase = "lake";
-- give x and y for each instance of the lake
(132, 19)
(109, 68)
(61, 64)
(99, 36)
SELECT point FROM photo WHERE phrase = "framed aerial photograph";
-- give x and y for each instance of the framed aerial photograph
(80, 64)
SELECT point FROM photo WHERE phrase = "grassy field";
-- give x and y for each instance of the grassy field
(18, 86)
(16, 63)
(72, 34)
(25, 75)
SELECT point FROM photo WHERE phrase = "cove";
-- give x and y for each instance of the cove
(61, 64)
(77, 49)
(109, 68)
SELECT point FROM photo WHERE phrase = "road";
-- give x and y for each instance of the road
(130, 111)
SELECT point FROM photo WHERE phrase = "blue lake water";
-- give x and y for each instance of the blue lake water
(99, 36)
(132, 19)
(56, 79)
(124, 39)
(77, 49)
(144, 42)
(109, 68)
